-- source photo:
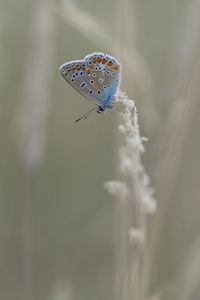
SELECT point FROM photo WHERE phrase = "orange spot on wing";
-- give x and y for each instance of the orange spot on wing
(88, 71)
(104, 61)
(90, 66)
(116, 68)
(99, 60)
(94, 61)
(83, 67)
(73, 68)
(78, 68)
(110, 64)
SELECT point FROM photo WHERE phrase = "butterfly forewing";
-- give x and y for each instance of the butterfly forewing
(74, 73)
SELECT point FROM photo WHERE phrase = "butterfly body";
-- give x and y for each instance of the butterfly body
(96, 77)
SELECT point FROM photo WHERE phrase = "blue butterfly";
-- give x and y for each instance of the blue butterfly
(96, 77)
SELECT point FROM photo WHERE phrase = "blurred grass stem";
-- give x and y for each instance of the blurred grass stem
(184, 90)
(35, 108)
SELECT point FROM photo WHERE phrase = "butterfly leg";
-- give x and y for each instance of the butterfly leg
(101, 109)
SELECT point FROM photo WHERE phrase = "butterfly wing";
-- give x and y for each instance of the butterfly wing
(96, 77)
(103, 74)
(74, 73)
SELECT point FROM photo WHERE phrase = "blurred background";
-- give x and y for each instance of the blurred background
(56, 220)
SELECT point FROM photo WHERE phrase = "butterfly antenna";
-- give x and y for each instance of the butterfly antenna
(83, 117)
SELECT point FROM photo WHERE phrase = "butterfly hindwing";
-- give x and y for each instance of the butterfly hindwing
(103, 76)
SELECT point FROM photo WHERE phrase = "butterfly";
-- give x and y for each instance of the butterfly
(96, 77)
